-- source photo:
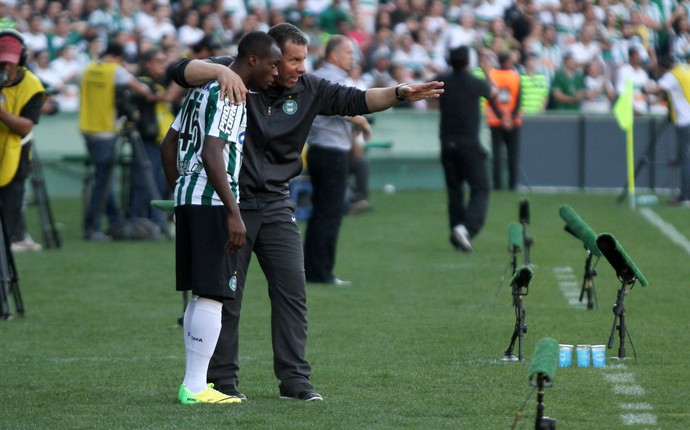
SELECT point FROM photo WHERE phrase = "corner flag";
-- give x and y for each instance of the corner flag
(623, 111)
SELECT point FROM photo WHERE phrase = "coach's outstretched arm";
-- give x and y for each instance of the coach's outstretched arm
(189, 73)
(379, 99)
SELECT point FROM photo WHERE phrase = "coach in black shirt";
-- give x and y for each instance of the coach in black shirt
(278, 122)
(462, 155)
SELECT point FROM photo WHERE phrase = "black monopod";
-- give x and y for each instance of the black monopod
(524, 218)
(520, 287)
(576, 226)
(541, 375)
(627, 272)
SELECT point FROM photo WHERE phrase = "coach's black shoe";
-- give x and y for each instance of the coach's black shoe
(301, 392)
(232, 391)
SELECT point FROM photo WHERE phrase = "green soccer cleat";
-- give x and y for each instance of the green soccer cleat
(209, 395)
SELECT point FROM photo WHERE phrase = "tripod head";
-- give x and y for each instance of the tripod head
(520, 281)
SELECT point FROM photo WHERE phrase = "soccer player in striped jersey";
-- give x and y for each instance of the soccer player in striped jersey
(202, 155)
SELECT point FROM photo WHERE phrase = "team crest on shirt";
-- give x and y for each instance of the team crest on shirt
(233, 284)
(290, 107)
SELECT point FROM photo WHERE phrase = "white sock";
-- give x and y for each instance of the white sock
(201, 331)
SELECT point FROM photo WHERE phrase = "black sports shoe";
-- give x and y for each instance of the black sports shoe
(232, 391)
(301, 392)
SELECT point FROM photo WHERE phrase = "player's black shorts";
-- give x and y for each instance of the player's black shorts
(203, 264)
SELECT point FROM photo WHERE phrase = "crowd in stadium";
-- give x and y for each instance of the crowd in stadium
(578, 46)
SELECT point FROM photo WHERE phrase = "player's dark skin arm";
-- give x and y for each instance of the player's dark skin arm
(168, 148)
(212, 156)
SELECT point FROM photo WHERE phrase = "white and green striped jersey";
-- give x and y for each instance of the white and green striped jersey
(204, 114)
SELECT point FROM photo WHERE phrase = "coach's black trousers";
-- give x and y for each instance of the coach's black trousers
(274, 237)
(328, 170)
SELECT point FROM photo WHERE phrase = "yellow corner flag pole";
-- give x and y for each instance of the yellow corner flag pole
(623, 111)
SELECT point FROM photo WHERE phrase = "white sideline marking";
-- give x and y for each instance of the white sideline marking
(621, 378)
(636, 406)
(633, 419)
(667, 229)
(629, 390)
(569, 285)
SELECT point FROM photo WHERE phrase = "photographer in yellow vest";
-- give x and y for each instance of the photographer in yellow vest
(98, 122)
(21, 98)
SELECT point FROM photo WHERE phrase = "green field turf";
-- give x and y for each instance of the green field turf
(414, 343)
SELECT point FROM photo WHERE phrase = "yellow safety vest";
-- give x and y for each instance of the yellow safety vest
(97, 113)
(682, 73)
(13, 99)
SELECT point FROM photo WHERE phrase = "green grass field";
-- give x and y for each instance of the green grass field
(415, 343)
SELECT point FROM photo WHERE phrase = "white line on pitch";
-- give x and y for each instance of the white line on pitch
(636, 406)
(635, 419)
(667, 229)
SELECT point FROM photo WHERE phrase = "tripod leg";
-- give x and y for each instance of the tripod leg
(9, 283)
(5, 279)
(51, 237)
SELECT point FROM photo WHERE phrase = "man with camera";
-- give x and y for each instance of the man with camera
(153, 118)
(98, 123)
(21, 98)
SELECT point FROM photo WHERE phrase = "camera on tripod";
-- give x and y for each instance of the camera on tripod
(127, 104)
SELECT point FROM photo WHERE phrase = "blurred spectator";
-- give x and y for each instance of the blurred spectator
(532, 42)
(546, 10)
(359, 34)
(102, 19)
(161, 25)
(68, 67)
(535, 87)
(487, 11)
(413, 56)
(463, 33)
(332, 15)
(40, 66)
(586, 48)
(599, 91)
(519, 18)
(190, 33)
(681, 37)
(35, 38)
(399, 12)
(651, 18)
(498, 36)
(434, 22)
(61, 35)
(568, 85)
(636, 73)
(379, 75)
(644, 33)
(549, 53)
(569, 21)
(293, 13)
(621, 48)
(179, 11)
(126, 18)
